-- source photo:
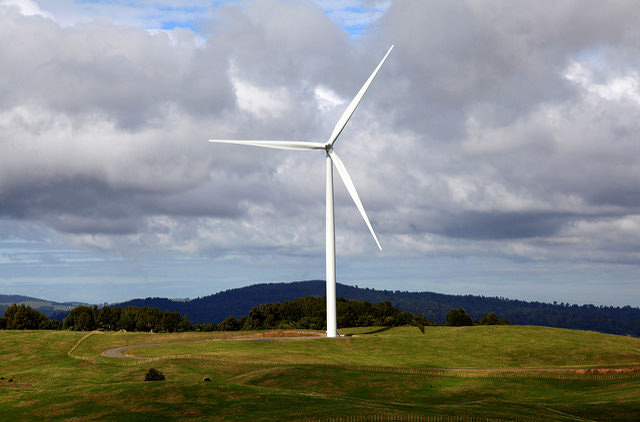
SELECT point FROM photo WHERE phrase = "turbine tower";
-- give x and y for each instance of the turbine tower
(332, 159)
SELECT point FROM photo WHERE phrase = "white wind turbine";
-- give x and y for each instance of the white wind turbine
(331, 160)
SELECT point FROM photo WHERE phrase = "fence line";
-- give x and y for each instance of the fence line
(400, 417)
(75, 346)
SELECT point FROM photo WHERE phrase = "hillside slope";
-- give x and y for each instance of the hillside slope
(54, 310)
(434, 306)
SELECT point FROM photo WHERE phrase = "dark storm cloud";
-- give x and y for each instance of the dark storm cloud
(76, 205)
(89, 205)
(505, 225)
(628, 197)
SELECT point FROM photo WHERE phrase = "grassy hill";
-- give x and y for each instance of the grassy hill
(456, 374)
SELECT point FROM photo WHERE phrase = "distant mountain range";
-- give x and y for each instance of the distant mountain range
(434, 306)
(54, 310)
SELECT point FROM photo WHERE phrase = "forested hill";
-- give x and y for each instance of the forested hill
(235, 302)
(434, 306)
(55, 310)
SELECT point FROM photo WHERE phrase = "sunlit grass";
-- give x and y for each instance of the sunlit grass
(438, 347)
(320, 379)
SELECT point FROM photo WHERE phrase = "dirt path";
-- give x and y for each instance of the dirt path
(118, 351)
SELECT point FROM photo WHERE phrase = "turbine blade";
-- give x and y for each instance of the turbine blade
(344, 175)
(296, 145)
(354, 103)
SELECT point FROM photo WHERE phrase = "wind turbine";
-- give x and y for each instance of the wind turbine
(331, 160)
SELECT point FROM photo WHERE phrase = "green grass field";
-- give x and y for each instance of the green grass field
(469, 374)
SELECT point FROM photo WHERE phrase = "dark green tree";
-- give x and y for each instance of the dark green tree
(184, 325)
(229, 324)
(490, 319)
(104, 320)
(171, 321)
(81, 318)
(22, 317)
(458, 318)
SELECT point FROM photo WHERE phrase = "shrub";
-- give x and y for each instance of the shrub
(154, 375)
(229, 324)
(458, 318)
(490, 319)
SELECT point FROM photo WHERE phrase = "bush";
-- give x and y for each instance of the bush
(490, 319)
(154, 375)
(229, 324)
(458, 318)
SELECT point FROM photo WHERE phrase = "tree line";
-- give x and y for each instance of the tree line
(310, 313)
(22, 317)
(434, 306)
(459, 318)
(301, 313)
(87, 318)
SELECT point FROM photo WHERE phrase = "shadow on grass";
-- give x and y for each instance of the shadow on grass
(377, 330)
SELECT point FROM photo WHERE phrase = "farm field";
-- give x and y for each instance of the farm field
(476, 373)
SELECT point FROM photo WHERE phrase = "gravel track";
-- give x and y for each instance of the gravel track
(118, 351)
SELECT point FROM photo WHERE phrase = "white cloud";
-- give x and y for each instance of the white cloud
(263, 103)
(615, 88)
(27, 8)
(327, 99)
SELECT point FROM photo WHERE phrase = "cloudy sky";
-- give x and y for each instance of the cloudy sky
(497, 152)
